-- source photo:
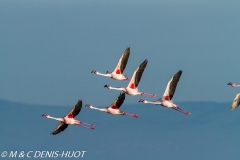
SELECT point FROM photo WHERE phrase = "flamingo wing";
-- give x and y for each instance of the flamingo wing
(122, 62)
(76, 109)
(136, 77)
(61, 127)
(118, 101)
(235, 102)
(171, 86)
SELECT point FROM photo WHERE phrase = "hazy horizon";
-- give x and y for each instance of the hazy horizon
(52, 105)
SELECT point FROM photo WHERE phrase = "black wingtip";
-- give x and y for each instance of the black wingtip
(144, 62)
(122, 93)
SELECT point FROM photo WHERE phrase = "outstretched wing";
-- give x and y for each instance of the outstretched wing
(122, 62)
(61, 127)
(76, 109)
(171, 86)
(118, 101)
(136, 77)
(235, 102)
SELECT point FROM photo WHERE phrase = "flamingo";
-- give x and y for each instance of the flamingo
(165, 101)
(132, 89)
(114, 107)
(235, 102)
(233, 84)
(69, 119)
(117, 73)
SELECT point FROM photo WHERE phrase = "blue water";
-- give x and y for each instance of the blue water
(211, 132)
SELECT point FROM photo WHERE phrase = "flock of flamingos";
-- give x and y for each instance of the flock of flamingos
(130, 89)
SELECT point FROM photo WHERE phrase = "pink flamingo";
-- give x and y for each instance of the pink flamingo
(69, 119)
(117, 74)
(114, 107)
(165, 101)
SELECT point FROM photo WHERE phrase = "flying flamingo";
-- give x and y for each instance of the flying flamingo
(233, 85)
(132, 89)
(114, 107)
(235, 102)
(117, 74)
(69, 119)
(165, 101)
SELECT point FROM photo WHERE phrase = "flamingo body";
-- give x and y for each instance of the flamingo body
(167, 103)
(131, 91)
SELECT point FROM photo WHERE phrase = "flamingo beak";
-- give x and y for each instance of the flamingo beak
(93, 71)
(230, 83)
(106, 86)
(141, 100)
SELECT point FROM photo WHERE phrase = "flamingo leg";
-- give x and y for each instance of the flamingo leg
(131, 115)
(87, 124)
(148, 94)
(182, 111)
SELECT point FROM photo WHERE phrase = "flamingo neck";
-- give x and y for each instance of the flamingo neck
(106, 75)
(118, 88)
(58, 119)
(155, 102)
(99, 109)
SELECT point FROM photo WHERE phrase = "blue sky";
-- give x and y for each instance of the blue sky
(49, 48)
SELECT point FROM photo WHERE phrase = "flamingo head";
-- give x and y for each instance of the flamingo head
(93, 71)
(45, 115)
(107, 86)
(230, 83)
(87, 105)
(142, 100)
